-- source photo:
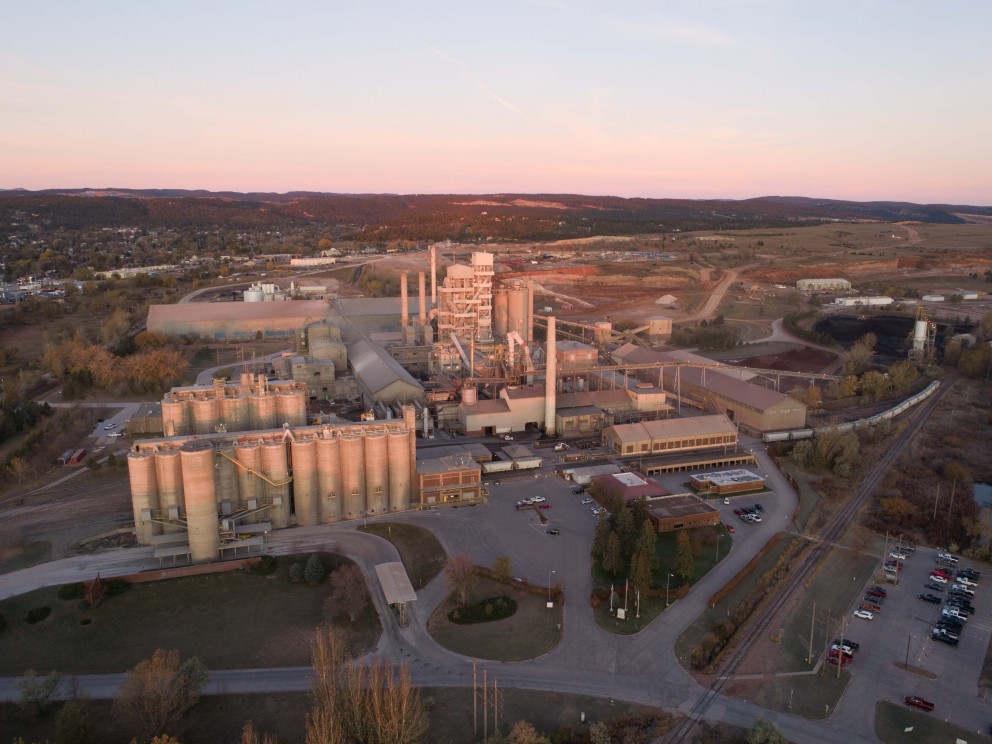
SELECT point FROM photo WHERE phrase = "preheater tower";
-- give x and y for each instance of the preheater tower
(550, 383)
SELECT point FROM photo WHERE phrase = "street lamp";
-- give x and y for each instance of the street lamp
(668, 584)
(549, 585)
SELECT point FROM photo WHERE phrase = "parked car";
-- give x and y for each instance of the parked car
(553, 531)
(898, 555)
(585, 501)
(864, 614)
(116, 434)
(507, 438)
(544, 506)
(938, 578)
(596, 510)
(933, 586)
(738, 512)
(537, 499)
(108, 427)
(929, 598)
(730, 528)
(949, 640)
(878, 590)
(836, 649)
(869, 607)
(918, 702)
(759, 507)
(726, 500)
(941, 572)
(755, 518)
(842, 661)
(578, 489)
(848, 642)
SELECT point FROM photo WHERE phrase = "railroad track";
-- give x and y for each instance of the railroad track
(831, 532)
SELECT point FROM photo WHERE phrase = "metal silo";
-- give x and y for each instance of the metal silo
(169, 477)
(206, 415)
(291, 408)
(277, 486)
(262, 411)
(234, 413)
(174, 418)
(516, 307)
(328, 478)
(249, 482)
(305, 486)
(376, 472)
(201, 502)
(144, 494)
(352, 450)
(399, 469)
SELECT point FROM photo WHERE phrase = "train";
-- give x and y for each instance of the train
(797, 434)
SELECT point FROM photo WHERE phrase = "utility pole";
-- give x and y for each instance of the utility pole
(840, 655)
(936, 496)
(951, 505)
(475, 705)
(812, 622)
(485, 708)
(495, 707)
(908, 640)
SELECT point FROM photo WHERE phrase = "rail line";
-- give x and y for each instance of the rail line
(830, 533)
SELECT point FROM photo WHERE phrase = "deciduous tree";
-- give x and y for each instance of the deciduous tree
(460, 572)
(37, 691)
(348, 590)
(159, 691)
(684, 559)
(503, 568)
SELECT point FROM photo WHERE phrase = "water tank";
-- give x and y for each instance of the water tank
(500, 312)
(169, 477)
(919, 334)
(470, 395)
(376, 472)
(328, 479)
(254, 295)
(206, 415)
(201, 502)
(249, 483)
(276, 468)
(234, 413)
(305, 486)
(174, 418)
(352, 450)
(399, 469)
(144, 494)
(262, 411)
(291, 408)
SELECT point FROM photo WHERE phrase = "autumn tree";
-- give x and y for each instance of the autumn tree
(902, 375)
(76, 724)
(460, 573)
(348, 590)
(36, 691)
(159, 691)
(684, 559)
(859, 357)
(524, 732)
(503, 568)
(250, 735)
(764, 731)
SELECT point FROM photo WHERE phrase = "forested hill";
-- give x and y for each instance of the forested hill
(436, 217)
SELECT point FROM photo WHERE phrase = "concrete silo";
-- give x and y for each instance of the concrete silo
(169, 477)
(352, 451)
(144, 494)
(206, 415)
(226, 473)
(305, 485)
(516, 307)
(398, 449)
(201, 501)
(262, 411)
(234, 413)
(376, 472)
(276, 469)
(250, 485)
(174, 418)
(291, 408)
(328, 478)
(500, 312)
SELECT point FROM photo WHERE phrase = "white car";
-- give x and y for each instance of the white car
(938, 578)
(507, 438)
(899, 556)
(596, 510)
(537, 499)
(585, 501)
(116, 434)
(108, 427)
(864, 614)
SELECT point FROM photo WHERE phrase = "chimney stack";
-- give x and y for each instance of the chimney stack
(404, 302)
(551, 374)
(433, 277)
(422, 286)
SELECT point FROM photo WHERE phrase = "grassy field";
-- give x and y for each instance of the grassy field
(811, 696)
(705, 549)
(228, 620)
(23, 555)
(532, 631)
(809, 497)
(892, 720)
(218, 720)
(421, 553)
(698, 630)
(834, 597)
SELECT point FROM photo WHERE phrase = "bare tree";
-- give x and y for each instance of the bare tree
(37, 691)
(250, 736)
(348, 590)
(460, 572)
(159, 691)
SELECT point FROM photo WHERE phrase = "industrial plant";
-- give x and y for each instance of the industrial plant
(239, 458)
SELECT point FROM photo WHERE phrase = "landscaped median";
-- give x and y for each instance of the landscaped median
(421, 553)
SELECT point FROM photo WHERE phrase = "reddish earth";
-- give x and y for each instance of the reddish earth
(805, 359)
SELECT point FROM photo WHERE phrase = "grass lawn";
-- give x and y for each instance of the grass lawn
(23, 555)
(228, 620)
(532, 631)
(810, 696)
(835, 588)
(698, 630)
(219, 719)
(892, 720)
(421, 553)
(704, 540)
(809, 497)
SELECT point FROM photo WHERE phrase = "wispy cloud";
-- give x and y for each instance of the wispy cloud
(479, 82)
(673, 32)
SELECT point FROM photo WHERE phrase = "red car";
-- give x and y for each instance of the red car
(941, 572)
(918, 702)
(730, 528)
(544, 506)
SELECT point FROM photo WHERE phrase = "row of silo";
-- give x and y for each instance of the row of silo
(204, 412)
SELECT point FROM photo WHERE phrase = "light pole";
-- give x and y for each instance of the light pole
(549, 585)
(718, 537)
(668, 584)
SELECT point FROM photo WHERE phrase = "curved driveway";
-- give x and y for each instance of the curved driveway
(640, 668)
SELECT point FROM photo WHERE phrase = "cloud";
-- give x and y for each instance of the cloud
(479, 83)
(673, 32)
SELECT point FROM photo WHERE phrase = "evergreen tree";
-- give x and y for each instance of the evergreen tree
(640, 513)
(684, 559)
(648, 543)
(640, 572)
(613, 557)
(314, 571)
(624, 528)
(602, 535)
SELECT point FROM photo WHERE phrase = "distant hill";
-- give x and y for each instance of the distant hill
(439, 216)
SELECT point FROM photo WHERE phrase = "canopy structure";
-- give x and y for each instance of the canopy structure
(396, 586)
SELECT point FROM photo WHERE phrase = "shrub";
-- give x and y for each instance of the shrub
(37, 615)
(71, 591)
(116, 587)
(296, 571)
(3, 622)
(493, 608)
(266, 565)
(314, 572)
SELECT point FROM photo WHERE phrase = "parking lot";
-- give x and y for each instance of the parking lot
(900, 634)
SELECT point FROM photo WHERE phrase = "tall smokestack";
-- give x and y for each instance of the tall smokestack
(530, 311)
(433, 277)
(550, 378)
(422, 287)
(404, 302)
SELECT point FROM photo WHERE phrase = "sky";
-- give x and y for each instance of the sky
(842, 99)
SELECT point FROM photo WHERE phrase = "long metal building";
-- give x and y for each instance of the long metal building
(199, 496)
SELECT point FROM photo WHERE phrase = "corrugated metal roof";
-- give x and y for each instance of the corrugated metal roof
(695, 426)
(207, 311)
(376, 368)
(395, 583)
(754, 395)
(377, 305)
